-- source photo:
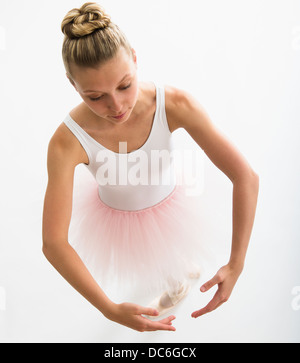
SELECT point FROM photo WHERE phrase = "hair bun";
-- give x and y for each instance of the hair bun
(84, 21)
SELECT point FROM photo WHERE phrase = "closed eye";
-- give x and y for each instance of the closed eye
(124, 88)
(99, 98)
(96, 99)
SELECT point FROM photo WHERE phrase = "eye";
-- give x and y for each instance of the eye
(99, 98)
(96, 99)
(126, 87)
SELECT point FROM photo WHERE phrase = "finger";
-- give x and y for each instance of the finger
(161, 324)
(208, 308)
(209, 284)
(147, 311)
(212, 305)
(167, 320)
(155, 325)
(204, 311)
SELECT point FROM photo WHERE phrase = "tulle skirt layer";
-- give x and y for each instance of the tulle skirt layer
(147, 249)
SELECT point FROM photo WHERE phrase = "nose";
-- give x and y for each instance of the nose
(115, 104)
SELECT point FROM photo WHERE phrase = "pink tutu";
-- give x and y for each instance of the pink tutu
(143, 249)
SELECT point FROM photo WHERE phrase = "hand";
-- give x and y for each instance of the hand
(225, 278)
(130, 315)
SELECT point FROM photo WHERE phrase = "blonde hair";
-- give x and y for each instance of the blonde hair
(91, 38)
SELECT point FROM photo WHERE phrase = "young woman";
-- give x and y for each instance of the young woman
(136, 221)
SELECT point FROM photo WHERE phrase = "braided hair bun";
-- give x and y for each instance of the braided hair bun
(84, 21)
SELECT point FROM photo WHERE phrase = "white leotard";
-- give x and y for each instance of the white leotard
(139, 179)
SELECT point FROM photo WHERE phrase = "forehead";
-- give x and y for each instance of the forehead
(106, 76)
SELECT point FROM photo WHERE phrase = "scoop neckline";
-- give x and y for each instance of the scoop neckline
(134, 151)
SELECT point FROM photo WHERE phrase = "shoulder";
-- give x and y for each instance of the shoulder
(188, 113)
(180, 105)
(185, 111)
(64, 148)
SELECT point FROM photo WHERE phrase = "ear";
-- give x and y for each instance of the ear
(71, 81)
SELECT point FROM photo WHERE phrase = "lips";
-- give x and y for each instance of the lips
(120, 116)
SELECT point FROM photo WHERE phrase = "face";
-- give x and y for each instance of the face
(111, 90)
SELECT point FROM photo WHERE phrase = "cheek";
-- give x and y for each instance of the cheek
(96, 107)
(134, 95)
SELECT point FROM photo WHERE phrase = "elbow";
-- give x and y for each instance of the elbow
(253, 181)
(255, 178)
(47, 243)
(249, 177)
(51, 247)
(46, 248)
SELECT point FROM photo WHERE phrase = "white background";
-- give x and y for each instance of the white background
(241, 60)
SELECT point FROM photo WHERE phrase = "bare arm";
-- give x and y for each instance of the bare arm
(61, 164)
(56, 219)
(186, 112)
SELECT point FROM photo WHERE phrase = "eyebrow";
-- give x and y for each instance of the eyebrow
(90, 91)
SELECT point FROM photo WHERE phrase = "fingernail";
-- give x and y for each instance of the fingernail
(202, 288)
